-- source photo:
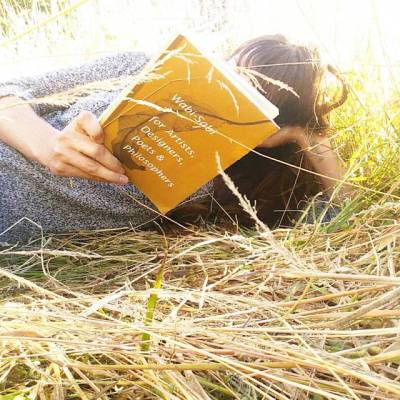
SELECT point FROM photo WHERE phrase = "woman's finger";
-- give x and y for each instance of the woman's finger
(67, 170)
(60, 168)
(287, 134)
(91, 167)
(97, 152)
(73, 172)
(87, 123)
(277, 139)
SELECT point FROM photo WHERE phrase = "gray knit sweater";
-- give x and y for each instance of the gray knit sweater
(32, 200)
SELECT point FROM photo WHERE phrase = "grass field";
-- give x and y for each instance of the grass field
(309, 313)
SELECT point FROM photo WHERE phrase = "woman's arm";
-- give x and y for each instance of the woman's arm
(41, 85)
(77, 151)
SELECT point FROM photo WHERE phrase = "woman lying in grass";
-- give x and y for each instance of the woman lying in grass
(43, 146)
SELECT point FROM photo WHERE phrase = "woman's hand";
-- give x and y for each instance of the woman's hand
(318, 150)
(76, 151)
(79, 151)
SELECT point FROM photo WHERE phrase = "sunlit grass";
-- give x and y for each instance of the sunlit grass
(306, 314)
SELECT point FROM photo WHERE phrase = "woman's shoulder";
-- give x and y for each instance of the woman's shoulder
(118, 64)
(81, 73)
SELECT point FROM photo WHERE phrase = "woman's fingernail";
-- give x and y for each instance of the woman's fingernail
(123, 179)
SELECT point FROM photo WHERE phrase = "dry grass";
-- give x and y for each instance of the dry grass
(236, 316)
(310, 313)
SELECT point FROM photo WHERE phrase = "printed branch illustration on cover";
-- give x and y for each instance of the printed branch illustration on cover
(133, 128)
(168, 127)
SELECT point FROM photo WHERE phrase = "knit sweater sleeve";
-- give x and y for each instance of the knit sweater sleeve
(46, 84)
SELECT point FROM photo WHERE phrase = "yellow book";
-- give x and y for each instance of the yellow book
(184, 107)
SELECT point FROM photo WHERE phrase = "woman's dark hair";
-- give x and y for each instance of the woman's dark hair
(275, 189)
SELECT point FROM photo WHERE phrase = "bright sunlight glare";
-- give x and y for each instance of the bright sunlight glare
(348, 32)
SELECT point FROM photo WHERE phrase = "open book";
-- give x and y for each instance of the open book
(181, 110)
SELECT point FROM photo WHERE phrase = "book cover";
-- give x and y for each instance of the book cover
(184, 107)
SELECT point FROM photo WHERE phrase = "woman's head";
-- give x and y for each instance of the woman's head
(290, 76)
